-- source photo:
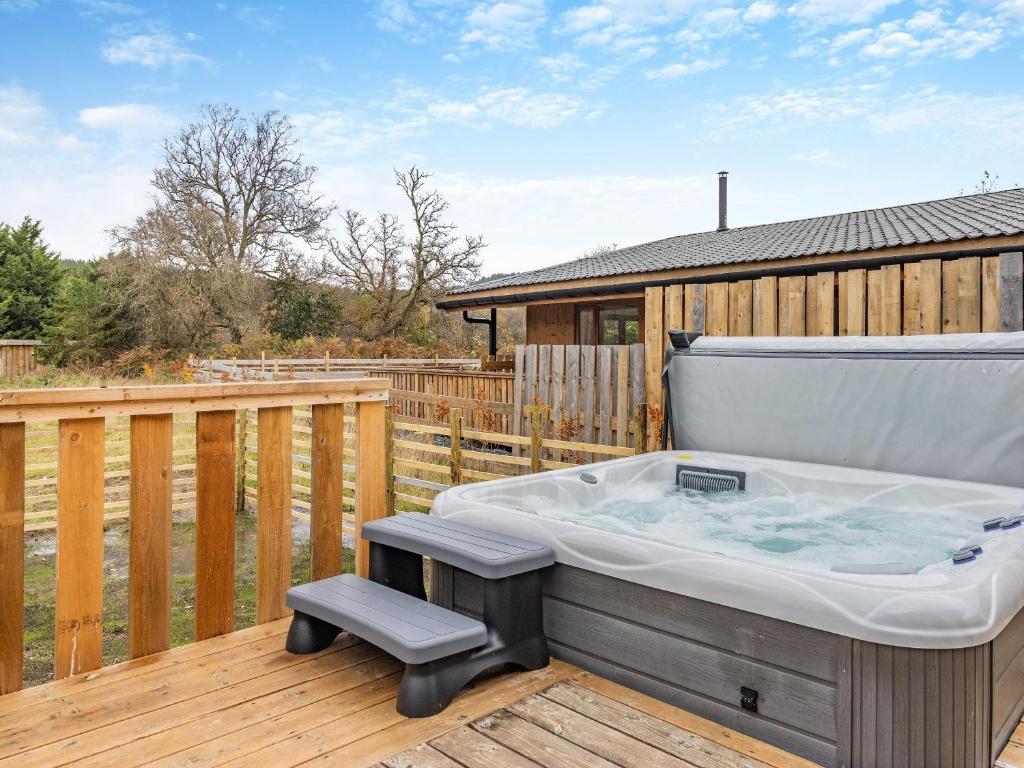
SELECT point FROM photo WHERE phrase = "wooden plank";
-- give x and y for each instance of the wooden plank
(765, 306)
(149, 546)
(1011, 291)
(969, 294)
(79, 615)
(856, 302)
(674, 308)
(824, 299)
(273, 511)
(892, 311)
(604, 393)
(12, 556)
(518, 390)
(990, 294)
(874, 316)
(716, 322)
(543, 375)
(741, 308)
(950, 297)
(327, 489)
(912, 299)
(535, 743)
(369, 476)
(622, 410)
(650, 730)
(215, 524)
(606, 742)
(654, 341)
(694, 305)
(473, 749)
(931, 296)
(792, 311)
(572, 383)
(841, 328)
(422, 756)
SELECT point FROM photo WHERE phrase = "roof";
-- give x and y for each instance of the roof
(952, 219)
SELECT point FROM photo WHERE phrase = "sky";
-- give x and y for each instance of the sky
(552, 127)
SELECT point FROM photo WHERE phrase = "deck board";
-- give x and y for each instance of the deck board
(1013, 754)
(240, 699)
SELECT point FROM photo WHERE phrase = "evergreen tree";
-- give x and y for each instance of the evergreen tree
(90, 323)
(30, 275)
(300, 308)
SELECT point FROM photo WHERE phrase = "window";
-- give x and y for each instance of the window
(609, 324)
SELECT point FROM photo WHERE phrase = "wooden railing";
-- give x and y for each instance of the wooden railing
(81, 416)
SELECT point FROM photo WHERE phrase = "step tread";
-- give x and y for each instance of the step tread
(486, 553)
(408, 628)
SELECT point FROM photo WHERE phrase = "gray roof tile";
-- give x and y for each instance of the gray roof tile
(956, 218)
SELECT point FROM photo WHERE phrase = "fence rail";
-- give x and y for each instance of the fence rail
(80, 493)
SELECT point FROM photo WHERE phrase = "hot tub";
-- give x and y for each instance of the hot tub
(852, 616)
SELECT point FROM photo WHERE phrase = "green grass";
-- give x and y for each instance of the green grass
(40, 586)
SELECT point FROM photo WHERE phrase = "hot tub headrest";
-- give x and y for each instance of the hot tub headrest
(944, 406)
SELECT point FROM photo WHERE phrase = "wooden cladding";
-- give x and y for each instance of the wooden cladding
(551, 323)
(966, 295)
(80, 488)
(17, 358)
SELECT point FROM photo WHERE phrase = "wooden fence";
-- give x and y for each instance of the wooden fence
(81, 477)
(17, 357)
(964, 295)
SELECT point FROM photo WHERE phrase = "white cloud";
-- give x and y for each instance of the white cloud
(107, 8)
(760, 11)
(18, 5)
(828, 12)
(21, 116)
(504, 23)
(819, 158)
(451, 58)
(151, 50)
(682, 69)
(128, 120)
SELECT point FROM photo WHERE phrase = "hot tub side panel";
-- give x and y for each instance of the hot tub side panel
(1007, 682)
(831, 699)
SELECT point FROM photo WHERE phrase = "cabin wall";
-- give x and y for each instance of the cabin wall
(551, 323)
(17, 358)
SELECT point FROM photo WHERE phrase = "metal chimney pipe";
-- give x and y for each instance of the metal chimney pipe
(723, 200)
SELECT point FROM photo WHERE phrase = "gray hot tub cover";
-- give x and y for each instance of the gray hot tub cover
(947, 406)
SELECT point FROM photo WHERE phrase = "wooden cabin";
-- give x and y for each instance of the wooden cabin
(931, 267)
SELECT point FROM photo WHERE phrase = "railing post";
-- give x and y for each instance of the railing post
(273, 511)
(242, 440)
(216, 470)
(12, 556)
(455, 453)
(79, 616)
(326, 489)
(327, 362)
(389, 460)
(149, 547)
(370, 484)
(641, 428)
(536, 446)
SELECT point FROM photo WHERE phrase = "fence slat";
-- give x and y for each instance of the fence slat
(969, 294)
(990, 294)
(572, 383)
(622, 393)
(149, 544)
(273, 511)
(825, 298)
(694, 304)
(741, 300)
(326, 491)
(604, 391)
(892, 310)
(79, 616)
(950, 297)
(215, 523)
(856, 302)
(765, 306)
(673, 308)
(517, 394)
(912, 298)
(931, 296)
(654, 341)
(12, 556)
(874, 302)
(1011, 291)
(716, 316)
(369, 471)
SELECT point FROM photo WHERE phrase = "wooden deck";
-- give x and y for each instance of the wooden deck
(240, 699)
(1013, 754)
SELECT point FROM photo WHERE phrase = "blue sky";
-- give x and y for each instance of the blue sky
(552, 127)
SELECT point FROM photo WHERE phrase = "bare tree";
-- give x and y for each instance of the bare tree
(233, 199)
(392, 275)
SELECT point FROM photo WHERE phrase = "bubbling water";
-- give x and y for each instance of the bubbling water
(803, 530)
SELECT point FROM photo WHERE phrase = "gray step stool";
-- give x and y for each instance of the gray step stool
(442, 650)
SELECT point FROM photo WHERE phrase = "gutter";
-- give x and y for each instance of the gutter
(780, 271)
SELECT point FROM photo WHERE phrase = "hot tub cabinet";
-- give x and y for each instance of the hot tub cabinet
(832, 699)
